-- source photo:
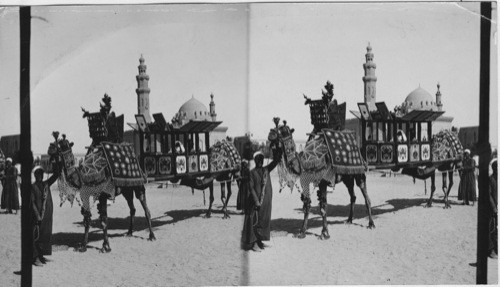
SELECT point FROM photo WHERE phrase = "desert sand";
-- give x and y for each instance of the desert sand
(410, 244)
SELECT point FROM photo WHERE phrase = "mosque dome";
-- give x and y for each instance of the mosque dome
(420, 99)
(195, 110)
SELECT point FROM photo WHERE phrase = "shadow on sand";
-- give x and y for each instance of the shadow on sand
(393, 205)
(72, 239)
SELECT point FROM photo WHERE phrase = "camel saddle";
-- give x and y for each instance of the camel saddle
(93, 168)
(314, 157)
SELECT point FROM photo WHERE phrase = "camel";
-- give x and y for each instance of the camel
(99, 184)
(225, 163)
(447, 154)
(315, 165)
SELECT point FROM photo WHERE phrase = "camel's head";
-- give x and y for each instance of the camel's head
(279, 132)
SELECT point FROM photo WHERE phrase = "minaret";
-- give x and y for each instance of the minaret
(370, 79)
(143, 91)
(439, 104)
(212, 108)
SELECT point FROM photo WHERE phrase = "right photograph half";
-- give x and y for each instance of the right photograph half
(368, 117)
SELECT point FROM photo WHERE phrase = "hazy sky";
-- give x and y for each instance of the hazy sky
(257, 59)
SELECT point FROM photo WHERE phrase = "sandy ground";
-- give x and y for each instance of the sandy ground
(410, 245)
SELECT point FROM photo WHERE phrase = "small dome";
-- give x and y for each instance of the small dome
(195, 110)
(420, 99)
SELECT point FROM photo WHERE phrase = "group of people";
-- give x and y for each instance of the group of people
(40, 202)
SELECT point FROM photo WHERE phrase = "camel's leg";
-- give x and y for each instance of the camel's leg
(447, 191)
(147, 213)
(361, 183)
(102, 207)
(209, 211)
(349, 183)
(433, 188)
(82, 247)
(306, 208)
(322, 209)
(224, 209)
(129, 196)
(222, 192)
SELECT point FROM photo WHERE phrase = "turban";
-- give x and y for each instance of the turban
(37, 169)
(257, 153)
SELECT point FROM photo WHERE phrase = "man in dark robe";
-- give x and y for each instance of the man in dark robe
(41, 202)
(10, 196)
(257, 226)
(467, 186)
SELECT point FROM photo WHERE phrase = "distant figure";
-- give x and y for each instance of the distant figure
(401, 136)
(467, 186)
(257, 225)
(179, 147)
(493, 188)
(42, 205)
(10, 195)
(64, 143)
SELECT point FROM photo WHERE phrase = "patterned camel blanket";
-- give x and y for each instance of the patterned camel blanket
(224, 156)
(344, 152)
(123, 164)
(446, 147)
(93, 168)
(313, 157)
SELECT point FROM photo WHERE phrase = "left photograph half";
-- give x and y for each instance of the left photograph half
(138, 129)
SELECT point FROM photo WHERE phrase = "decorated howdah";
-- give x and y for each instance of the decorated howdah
(403, 140)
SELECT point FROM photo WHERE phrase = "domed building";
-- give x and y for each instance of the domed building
(194, 110)
(421, 100)
(418, 99)
(191, 110)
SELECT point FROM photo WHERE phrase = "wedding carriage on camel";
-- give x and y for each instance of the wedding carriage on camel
(179, 153)
(403, 140)
(111, 166)
(170, 152)
(387, 140)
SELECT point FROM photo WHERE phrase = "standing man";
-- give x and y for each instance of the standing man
(41, 202)
(467, 184)
(262, 195)
(10, 196)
